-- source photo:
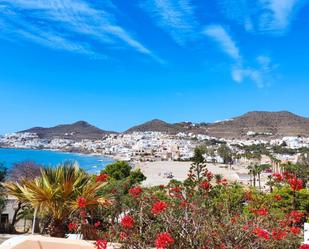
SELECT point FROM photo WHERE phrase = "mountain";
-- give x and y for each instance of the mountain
(156, 125)
(276, 123)
(76, 131)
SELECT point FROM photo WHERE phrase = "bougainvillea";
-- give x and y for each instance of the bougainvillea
(135, 192)
(163, 240)
(158, 207)
(72, 226)
(81, 202)
(127, 222)
(296, 184)
(203, 212)
(102, 178)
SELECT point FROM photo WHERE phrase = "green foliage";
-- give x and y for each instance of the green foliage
(122, 170)
(226, 153)
(3, 172)
(300, 169)
(3, 175)
(278, 149)
(118, 170)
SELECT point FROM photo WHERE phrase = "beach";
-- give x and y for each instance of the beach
(157, 172)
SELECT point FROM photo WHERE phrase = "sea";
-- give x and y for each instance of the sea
(91, 163)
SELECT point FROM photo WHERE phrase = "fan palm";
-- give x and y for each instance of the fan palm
(55, 193)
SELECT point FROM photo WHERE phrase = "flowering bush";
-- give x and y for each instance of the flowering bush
(204, 212)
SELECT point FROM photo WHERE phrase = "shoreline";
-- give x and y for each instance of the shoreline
(63, 151)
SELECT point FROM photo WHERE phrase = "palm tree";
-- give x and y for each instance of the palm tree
(253, 171)
(55, 193)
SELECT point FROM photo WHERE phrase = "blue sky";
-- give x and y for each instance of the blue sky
(118, 63)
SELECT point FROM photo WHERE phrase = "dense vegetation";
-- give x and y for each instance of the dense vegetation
(204, 211)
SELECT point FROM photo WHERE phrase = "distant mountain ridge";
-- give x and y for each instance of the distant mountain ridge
(76, 131)
(281, 123)
(278, 124)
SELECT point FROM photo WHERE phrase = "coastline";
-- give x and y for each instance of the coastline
(50, 158)
(77, 152)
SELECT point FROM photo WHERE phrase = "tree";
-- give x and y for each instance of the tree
(3, 175)
(303, 168)
(56, 192)
(300, 169)
(226, 153)
(121, 170)
(24, 170)
(118, 170)
(198, 167)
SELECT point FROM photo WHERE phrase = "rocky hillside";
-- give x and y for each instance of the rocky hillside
(276, 123)
(76, 131)
(157, 125)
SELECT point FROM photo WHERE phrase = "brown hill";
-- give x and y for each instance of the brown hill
(277, 123)
(76, 131)
(158, 126)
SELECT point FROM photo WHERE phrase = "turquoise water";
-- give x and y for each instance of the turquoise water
(92, 164)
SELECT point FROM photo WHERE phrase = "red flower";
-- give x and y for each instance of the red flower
(81, 202)
(102, 178)
(278, 197)
(176, 190)
(304, 246)
(127, 222)
(278, 177)
(101, 244)
(158, 207)
(205, 185)
(163, 240)
(135, 192)
(287, 175)
(209, 175)
(279, 234)
(245, 227)
(123, 236)
(223, 182)
(295, 184)
(262, 211)
(83, 214)
(295, 230)
(296, 216)
(97, 224)
(72, 226)
(261, 233)
(184, 204)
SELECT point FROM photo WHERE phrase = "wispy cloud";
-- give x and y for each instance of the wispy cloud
(176, 17)
(240, 11)
(262, 16)
(261, 75)
(220, 35)
(278, 14)
(58, 23)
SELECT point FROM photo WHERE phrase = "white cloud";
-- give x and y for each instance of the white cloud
(219, 34)
(240, 11)
(66, 19)
(176, 17)
(260, 75)
(260, 16)
(277, 14)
